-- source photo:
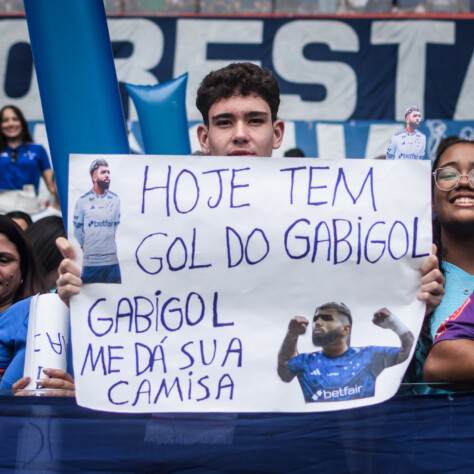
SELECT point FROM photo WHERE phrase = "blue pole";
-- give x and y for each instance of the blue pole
(77, 82)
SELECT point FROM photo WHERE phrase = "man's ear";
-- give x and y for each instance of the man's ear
(203, 137)
(278, 131)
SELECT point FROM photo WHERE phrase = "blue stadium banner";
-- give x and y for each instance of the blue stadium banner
(331, 70)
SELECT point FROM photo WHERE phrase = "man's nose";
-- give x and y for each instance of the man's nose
(240, 133)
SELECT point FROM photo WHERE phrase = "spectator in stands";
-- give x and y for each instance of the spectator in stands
(42, 235)
(20, 278)
(21, 218)
(451, 358)
(453, 234)
(22, 163)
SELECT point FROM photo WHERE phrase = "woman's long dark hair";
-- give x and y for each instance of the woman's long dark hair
(42, 235)
(425, 341)
(25, 132)
(32, 277)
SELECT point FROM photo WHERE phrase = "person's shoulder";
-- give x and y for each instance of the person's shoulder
(36, 148)
(88, 195)
(17, 311)
(399, 134)
(112, 195)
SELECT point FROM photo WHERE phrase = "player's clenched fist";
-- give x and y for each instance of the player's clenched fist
(298, 325)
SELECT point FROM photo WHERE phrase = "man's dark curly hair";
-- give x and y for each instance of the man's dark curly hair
(238, 78)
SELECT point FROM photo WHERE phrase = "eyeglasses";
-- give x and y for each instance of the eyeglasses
(448, 178)
(14, 155)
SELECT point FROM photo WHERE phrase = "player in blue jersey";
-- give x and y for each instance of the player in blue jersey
(96, 217)
(339, 372)
(409, 144)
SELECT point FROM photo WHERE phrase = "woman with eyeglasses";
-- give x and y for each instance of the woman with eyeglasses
(453, 233)
(22, 162)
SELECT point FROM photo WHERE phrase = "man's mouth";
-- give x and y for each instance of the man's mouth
(241, 153)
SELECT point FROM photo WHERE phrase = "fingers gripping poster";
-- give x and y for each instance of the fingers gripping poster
(243, 285)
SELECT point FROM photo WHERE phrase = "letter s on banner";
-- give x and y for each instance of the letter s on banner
(338, 78)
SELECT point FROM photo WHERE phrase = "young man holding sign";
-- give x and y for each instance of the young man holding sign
(339, 372)
(239, 104)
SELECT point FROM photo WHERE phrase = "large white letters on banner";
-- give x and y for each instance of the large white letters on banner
(412, 38)
(338, 78)
(192, 40)
(466, 96)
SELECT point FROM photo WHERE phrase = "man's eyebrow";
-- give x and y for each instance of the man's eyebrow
(252, 113)
(222, 116)
(256, 112)
(321, 315)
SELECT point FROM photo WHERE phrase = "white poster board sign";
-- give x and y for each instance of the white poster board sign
(47, 338)
(215, 256)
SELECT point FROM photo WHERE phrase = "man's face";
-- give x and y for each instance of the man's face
(328, 327)
(101, 177)
(413, 119)
(240, 126)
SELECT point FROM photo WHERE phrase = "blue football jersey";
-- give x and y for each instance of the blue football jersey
(347, 377)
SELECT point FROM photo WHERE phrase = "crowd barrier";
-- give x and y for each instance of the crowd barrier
(427, 433)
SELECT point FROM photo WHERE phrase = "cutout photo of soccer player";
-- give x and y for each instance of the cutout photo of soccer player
(339, 372)
(96, 217)
(409, 144)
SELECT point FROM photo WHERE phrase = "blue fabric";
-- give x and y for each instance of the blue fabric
(412, 434)
(347, 377)
(77, 82)
(13, 332)
(454, 295)
(32, 161)
(101, 274)
(161, 110)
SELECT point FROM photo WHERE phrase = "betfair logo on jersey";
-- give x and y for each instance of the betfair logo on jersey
(340, 393)
(103, 223)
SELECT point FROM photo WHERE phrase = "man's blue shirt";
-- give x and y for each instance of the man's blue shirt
(347, 377)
